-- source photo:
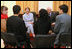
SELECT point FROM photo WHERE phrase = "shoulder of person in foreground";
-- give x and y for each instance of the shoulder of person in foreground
(58, 16)
(10, 16)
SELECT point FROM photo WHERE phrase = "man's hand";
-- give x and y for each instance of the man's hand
(53, 24)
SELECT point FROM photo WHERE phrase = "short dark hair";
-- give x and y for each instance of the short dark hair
(2, 7)
(64, 8)
(16, 9)
(28, 8)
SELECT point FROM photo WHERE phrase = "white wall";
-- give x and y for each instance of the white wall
(45, 4)
(10, 5)
(2, 3)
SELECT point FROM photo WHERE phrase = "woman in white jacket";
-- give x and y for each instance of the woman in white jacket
(29, 20)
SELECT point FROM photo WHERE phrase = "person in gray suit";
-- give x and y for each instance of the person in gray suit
(63, 22)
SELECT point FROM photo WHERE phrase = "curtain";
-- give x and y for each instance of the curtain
(33, 5)
(56, 5)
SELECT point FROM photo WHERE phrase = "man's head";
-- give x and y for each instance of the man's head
(27, 10)
(49, 9)
(4, 10)
(16, 9)
(63, 9)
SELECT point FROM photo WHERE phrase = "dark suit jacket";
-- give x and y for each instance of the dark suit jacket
(62, 25)
(53, 16)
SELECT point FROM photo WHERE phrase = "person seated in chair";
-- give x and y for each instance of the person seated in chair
(17, 26)
(43, 24)
(29, 20)
(52, 15)
(4, 16)
(63, 22)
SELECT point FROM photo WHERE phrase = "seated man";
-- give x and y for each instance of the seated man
(63, 22)
(16, 26)
(52, 15)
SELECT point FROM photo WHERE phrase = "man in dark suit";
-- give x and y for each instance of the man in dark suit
(63, 22)
(52, 15)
